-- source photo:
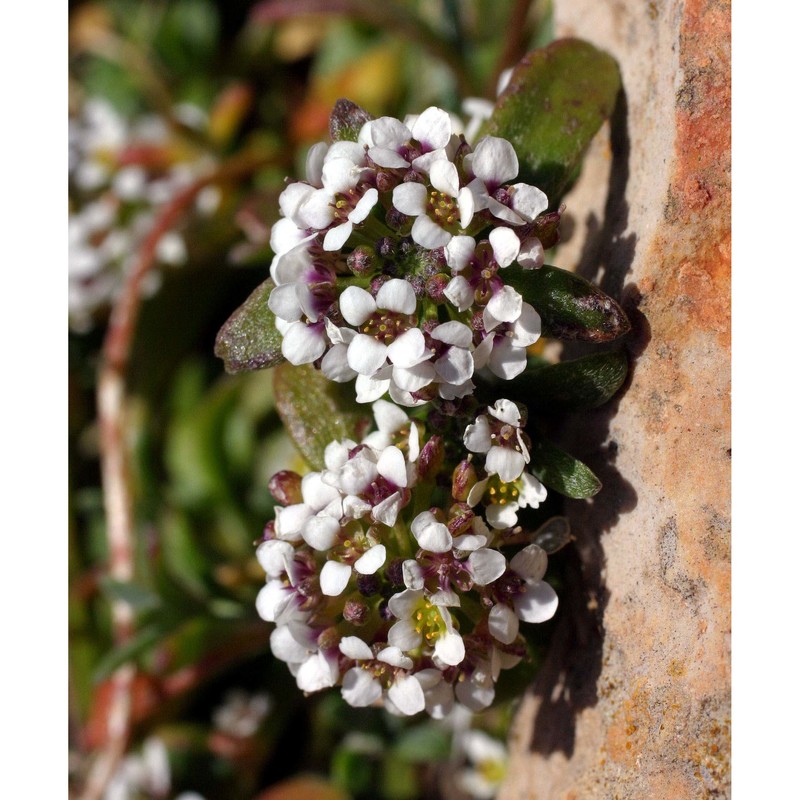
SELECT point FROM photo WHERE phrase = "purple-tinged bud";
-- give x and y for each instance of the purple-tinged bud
(396, 220)
(394, 573)
(464, 478)
(361, 261)
(329, 639)
(430, 458)
(461, 517)
(368, 585)
(284, 486)
(412, 176)
(385, 181)
(417, 284)
(269, 531)
(355, 612)
(376, 283)
(383, 610)
(386, 247)
(435, 286)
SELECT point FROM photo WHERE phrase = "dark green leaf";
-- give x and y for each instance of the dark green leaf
(562, 472)
(316, 411)
(346, 121)
(576, 385)
(554, 104)
(249, 339)
(570, 307)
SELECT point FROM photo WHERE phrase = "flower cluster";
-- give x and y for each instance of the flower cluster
(380, 582)
(389, 260)
(120, 173)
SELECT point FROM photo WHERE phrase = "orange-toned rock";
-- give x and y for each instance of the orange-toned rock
(634, 699)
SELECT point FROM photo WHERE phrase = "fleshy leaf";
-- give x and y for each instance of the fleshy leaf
(555, 102)
(316, 411)
(576, 385)
(249, 339)
(562, 472)
(570, 307)
(346, 121)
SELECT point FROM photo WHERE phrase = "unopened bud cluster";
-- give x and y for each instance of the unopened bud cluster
(401, 591)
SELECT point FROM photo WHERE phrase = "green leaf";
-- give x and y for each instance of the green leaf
(346, 121)
(576, 385)
(554, 104)
(562, 472)
(249, 339)
(422, 744)
(136, 596)
(316, 411)
(570, 307)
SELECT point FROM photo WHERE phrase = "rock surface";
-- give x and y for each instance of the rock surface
(634, 699)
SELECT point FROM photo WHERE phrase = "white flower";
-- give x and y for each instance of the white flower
(537, 600)
(500, 439)
(489, 760)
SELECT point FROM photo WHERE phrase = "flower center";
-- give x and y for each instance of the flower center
(443, 210)
(428, 622)
(344, 203)
(501, 493)
(386, 326)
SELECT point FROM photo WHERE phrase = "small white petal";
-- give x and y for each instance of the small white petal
(414, 378)
(528, 201)
(410, 198)
(494, 161)
(532, 491)
(503, 624)
(372, 560)
(407, 695)
(404, 635)
(334, 365)
(284, 303)
(388, 417)
(486, 565)
(426, 233)
(384, 157)
(475, 696)
(272, 555)
(357, 305)
(392, 466)
(355, 648)
(388, 132)
(460, 293)
(508, 464)
(530, 562)
(528, 328)
(321, 532)
(316, 211)
(404, 603)
(476, 493)
(314, 161)
(466, 207)
(506, 411)
(531, 254)
(336, 238)
(302, 344)
(450, 648)
(469, 541)
(408, 349)
(398, 296)
(387, 510)
(317, 673)
(507, 361)
(432, 128)
(455, 366)
(359, 688)
(537, 603)
(432, 536)
(339, 175)
(285, 647)
(478, 435)
(501, 517)
(504, 306)
(370, 388)
(396, 657)
(334, 577)
(459, 252)
(413, 576)
(505, 245)
(289, 521)
(444, 177)
(366, 355)
(454, 333)
(272, 599)
(364, 206)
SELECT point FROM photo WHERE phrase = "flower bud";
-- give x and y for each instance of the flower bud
(387, 247)
(368, 585)
(464, 478)
(461, 516)
(361, 261)
(355, 612)
(329, 639)
(435, 286)
(394, 572)
(284, 486)
(430, 458)
(396, 220)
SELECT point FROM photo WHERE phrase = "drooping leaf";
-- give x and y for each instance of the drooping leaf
(346, 121)
(555, 102)
(316, 411)
(576, 385)
(570, 307)
(249, 339)
(562, 472)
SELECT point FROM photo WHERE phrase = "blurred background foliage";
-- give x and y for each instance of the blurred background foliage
(161, 95)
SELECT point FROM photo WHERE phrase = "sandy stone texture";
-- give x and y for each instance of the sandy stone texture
(634, 698)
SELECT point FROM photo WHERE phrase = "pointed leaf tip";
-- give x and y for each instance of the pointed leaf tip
(346, 121)
(249, 339)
